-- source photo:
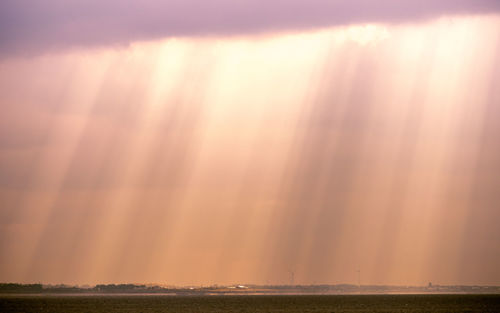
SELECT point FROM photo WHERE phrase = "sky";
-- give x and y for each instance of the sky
(223, 142)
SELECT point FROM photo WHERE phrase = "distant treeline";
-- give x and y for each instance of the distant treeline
(18, 288)
(111, 288)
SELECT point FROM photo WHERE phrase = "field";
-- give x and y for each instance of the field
(241, 304)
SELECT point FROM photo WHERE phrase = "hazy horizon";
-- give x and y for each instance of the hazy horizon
(153, 142)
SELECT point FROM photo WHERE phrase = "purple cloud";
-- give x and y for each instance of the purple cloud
(32, 26)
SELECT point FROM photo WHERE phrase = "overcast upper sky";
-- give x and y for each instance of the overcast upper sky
(37, 26)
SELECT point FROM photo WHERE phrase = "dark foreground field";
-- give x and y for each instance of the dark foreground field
(336, 303)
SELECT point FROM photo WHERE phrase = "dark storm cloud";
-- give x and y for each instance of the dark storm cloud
(34, 26)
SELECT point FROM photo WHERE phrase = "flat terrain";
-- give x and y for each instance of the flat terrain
(261, 303)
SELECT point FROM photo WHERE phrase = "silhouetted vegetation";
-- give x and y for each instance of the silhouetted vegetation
(20, 288)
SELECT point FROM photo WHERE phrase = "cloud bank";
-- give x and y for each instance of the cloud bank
(34, 26)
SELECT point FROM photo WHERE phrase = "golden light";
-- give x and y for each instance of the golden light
(232, 159)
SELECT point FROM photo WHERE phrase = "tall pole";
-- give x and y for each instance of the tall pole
(359, 280)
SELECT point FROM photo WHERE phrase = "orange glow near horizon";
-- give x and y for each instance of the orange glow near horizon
(193, 161)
